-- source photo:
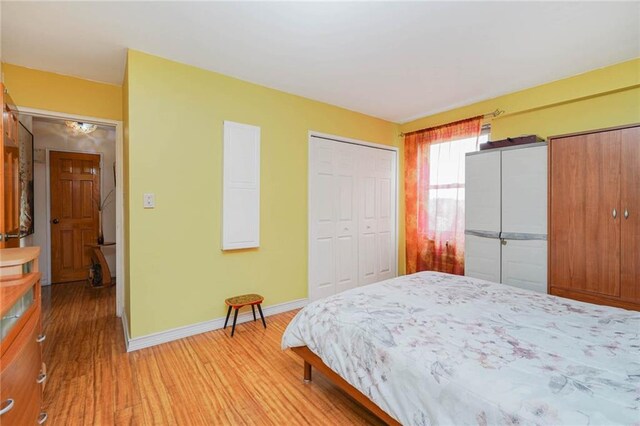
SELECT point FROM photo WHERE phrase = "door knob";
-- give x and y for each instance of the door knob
(614, 213)
(55, 221)
(626, 214)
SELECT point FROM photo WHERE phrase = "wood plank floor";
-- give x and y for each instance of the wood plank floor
(209, 379)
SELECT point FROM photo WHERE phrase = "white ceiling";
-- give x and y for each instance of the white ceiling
(394, 60)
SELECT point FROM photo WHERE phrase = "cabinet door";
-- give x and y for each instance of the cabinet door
(524, 264)
(630, 222)
(482, 258)
(482, 191)
(585, 213)
(21, 366)
(524, 190)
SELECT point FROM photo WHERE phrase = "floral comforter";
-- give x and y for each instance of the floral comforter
(433, 348)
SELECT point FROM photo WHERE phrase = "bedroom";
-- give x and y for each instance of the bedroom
(354, 71)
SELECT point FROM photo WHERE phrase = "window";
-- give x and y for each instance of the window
(446, 184)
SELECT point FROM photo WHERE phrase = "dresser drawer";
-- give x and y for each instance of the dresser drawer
(20, 377)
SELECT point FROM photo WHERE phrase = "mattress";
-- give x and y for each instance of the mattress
(433, 348)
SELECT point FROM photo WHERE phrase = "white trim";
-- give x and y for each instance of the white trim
(125, 330)
(350, 140)
(34, 112)
(335, 138)
(137, 343)
(47, 195)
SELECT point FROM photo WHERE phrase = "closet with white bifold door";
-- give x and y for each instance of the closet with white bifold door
(506, 216)
(352, 215)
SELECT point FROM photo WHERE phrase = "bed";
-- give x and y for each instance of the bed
(432, 348)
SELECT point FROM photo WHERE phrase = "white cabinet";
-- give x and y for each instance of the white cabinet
(506, 216)
(352, 216)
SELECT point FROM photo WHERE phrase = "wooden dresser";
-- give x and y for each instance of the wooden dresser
(594, 216)
(22, 372)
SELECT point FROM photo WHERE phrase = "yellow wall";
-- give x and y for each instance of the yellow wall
(601, 98)
(178, 274)
(60, 93)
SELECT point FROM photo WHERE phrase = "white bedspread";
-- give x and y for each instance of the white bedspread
(433, 348)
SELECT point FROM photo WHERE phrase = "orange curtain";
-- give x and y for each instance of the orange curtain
(435, 195)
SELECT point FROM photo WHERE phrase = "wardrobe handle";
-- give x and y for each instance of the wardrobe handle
(626, 214)
(42, 418)
(41, 378)
(8, 405)
(41, 338)
(614, 213)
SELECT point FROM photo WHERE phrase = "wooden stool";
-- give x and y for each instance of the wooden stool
(238, 302)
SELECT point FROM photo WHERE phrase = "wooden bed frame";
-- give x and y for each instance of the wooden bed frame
(313, 360)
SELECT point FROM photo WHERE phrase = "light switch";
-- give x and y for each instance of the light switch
(149, 201)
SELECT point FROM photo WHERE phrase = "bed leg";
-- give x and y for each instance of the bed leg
(307, 372)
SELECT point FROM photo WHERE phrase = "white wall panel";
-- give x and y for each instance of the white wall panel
(241, 186)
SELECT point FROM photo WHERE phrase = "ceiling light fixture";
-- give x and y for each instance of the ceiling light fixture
(80, 127)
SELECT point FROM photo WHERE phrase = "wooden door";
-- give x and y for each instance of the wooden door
(75, 194)
(9, 174)
(630, 221)
(585, 215)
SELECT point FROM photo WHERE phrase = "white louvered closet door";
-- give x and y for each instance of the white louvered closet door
(352, 216)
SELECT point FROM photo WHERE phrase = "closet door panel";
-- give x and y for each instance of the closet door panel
(322, 205)
(524, 264)
(524, 190)
(585, 197)
(630, 220)
(482, 189)
(368, 241)
(386, 261)
(482, 258)
(346, 256)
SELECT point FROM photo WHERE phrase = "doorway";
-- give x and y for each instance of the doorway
(100, 187)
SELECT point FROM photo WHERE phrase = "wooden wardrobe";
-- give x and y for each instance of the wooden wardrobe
(594, 216)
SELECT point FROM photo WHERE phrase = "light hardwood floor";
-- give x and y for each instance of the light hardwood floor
(209, 379)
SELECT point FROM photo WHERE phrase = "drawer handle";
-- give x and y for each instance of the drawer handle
(41, 378)
(42, 418)
(8, 405)
(41, 338)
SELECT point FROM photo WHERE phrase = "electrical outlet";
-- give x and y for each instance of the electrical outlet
(149, 201)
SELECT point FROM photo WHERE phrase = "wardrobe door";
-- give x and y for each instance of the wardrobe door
(483, 192)
(524, 217)
(630, 221)
(585, 213)
(524, 264)
(482, 257)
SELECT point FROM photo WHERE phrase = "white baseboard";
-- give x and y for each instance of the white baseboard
(136, 343)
